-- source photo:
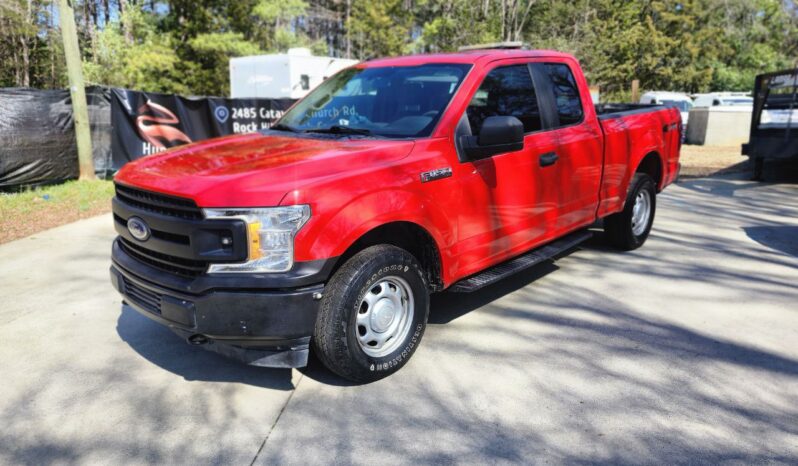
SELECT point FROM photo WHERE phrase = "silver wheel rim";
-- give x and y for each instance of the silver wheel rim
(384, 317)
(641, 212)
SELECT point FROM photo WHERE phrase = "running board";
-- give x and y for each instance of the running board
(513, 266)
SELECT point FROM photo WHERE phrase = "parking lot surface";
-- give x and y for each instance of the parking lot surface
(684, 351)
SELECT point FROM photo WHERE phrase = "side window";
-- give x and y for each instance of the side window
(506, 91)
(566, 93)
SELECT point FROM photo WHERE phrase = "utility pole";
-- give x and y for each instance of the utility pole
(635, 91)
(80, 110)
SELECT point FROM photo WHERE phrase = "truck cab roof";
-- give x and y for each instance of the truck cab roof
(466, 57)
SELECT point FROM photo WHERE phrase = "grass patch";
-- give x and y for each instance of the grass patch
(27, 212)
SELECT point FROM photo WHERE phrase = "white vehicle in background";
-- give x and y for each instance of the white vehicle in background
(683, 102)
(723, 99)
(281, 76)
(670, 99)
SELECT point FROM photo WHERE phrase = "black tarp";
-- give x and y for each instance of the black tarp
(37, 138)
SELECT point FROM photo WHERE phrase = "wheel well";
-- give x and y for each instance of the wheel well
(408, 236)
(652, 166)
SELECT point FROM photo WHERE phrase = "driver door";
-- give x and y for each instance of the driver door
(508, 206)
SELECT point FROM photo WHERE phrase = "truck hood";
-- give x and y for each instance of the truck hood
(255, 170)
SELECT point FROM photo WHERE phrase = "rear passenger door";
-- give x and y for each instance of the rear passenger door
(576, 171)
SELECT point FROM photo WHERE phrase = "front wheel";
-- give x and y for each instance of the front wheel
(373, 314)
(629, 228)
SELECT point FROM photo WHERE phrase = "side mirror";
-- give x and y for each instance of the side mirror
(499, 134)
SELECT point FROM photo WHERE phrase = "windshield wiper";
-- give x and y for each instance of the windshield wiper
(335, 129)
(283, 127)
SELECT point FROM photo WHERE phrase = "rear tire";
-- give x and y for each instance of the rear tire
(629, 229)
(373, 314)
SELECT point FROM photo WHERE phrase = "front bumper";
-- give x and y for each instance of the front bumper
(265, 327)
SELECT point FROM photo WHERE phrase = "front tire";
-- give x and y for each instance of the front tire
(373, 314)
(629, 229)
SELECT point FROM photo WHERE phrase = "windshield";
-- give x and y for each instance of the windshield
(404, 101)
(682, 105)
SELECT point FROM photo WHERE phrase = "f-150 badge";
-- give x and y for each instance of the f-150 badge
(436, 174)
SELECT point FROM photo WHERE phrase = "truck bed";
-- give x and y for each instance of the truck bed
(631, 132)
(615, 110)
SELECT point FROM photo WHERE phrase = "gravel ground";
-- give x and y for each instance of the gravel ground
(700, 161)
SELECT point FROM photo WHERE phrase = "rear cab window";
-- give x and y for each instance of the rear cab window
(566, 94)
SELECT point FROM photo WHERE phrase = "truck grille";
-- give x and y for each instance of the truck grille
(159, 203)
(147, 299)
(165, 262)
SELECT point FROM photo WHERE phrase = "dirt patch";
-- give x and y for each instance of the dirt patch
(25, 213)
(700, 161)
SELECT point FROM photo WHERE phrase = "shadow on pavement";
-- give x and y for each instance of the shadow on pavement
(165, 349)
(584, 338)
(448, 306)
(779, 237)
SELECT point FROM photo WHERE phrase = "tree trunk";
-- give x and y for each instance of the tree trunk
(51, 42)
(123, 6)
(25, 61)
(89, 19)
(25, 48)
(348, 34)
(17, 71)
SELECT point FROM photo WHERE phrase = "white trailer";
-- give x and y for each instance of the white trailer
(281, 76)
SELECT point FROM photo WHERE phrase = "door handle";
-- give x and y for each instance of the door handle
(549, 158)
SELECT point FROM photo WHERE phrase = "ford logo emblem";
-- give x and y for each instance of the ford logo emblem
(138, 228)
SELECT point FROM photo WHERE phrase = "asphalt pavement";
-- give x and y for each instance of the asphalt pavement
(684, 351)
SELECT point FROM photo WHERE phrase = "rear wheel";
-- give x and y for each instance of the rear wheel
(630, 228)
(373, 314)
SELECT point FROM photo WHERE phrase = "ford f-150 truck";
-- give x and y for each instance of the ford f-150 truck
(393, 179)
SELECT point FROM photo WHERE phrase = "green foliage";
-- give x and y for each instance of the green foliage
(213, 51)
(149, 62)
(273, 11)
(184, 46)
(443, 25)
(379, 28)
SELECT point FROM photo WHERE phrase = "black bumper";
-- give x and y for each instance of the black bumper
(261, 326)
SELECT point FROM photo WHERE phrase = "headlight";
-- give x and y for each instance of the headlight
(270, 234)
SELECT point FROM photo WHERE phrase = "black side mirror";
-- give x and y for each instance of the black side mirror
(499, 134)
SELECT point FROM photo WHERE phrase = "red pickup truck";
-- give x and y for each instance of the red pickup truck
(394, 179)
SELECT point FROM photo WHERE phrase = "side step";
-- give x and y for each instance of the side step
(505, 269)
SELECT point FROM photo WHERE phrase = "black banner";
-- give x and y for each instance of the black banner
(148, 123)
(37, 133)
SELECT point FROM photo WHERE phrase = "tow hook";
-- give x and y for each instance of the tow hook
(198, 339)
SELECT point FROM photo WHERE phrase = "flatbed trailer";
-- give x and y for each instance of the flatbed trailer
(774, 120)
